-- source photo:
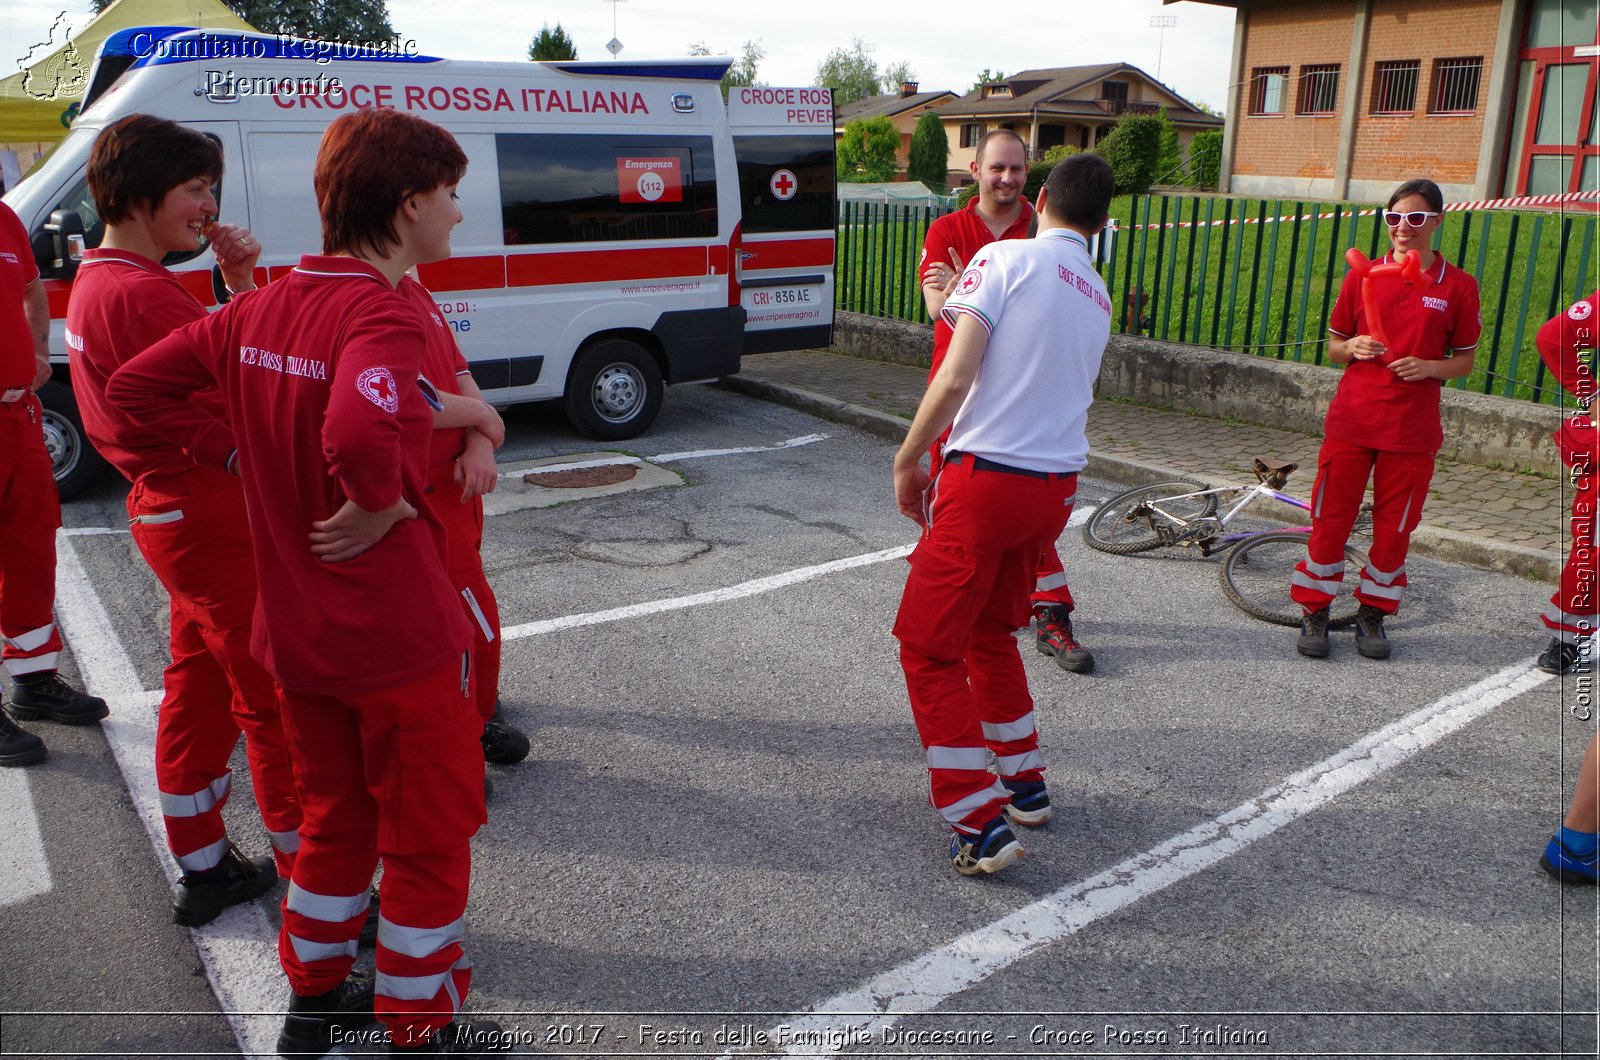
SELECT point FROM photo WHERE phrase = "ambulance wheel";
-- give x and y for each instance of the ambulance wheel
(615, 390)
(72, 458)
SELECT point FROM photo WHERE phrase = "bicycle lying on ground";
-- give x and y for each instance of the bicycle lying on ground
(1259, 563)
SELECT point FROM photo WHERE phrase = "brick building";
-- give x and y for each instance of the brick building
(1343, 99)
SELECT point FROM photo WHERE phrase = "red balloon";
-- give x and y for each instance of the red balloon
(1409, 269)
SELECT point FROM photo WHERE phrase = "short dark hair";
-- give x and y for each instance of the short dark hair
(370, 162)
(1079, 189)
(994, 134)
(138, 159)
(1423, 187)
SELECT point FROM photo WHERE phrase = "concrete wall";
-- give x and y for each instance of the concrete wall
(1478, 428)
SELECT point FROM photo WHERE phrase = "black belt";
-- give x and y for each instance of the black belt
(980, 463)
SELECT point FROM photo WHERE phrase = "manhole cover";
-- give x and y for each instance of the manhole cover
(579, 478)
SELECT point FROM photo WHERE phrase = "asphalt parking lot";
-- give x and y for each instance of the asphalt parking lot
(722, 845)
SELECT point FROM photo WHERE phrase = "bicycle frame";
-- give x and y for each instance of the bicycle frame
(1219, 541)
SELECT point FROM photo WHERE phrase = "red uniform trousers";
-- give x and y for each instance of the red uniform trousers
(1050, 580)
(463, 531)
(396, 774)
(30, 514)
(966, 596)
(1574, 611)
(193, 532)
(1399, 489)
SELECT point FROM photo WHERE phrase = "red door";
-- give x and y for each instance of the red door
(1559, 128)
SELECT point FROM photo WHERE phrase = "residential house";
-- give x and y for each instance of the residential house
(904, 108)
(1074, 105)
(1344, 99)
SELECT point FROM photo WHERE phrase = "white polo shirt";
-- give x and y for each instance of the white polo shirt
(1048, 318)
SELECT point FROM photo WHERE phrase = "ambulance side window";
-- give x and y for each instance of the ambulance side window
(81, 202)
(786, 183)
(575, 188)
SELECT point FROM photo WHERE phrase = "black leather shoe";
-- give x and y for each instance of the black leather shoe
(48, 696)
(503, 745)
(312, 1023)
(200, 897)
(1313, 642)
(18, 746)
(1370, 639)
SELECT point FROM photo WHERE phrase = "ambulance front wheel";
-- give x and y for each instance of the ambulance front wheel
(615, 390)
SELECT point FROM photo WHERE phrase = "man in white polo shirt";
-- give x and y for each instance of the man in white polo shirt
(1031, 319)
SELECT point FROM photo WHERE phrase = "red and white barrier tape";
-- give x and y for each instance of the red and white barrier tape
(1450, 207)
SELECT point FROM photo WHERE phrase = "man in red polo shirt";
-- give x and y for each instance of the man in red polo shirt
(999, 211)
(30, 511)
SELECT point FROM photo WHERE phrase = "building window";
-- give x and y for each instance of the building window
(1266, 89)
(1394, 87)
(1455, 85)
(971, 133)
(990, 91)
(1116, 91)
(1319, 89)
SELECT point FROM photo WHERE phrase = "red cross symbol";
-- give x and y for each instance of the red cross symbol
(381, 386)
(784, 185)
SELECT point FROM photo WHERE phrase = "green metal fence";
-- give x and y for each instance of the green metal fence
(1229, 274)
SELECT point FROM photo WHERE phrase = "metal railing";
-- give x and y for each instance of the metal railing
(1261, 276)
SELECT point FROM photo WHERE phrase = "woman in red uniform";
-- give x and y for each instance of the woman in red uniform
(1383, 423)
(356, 616)
(152, 182)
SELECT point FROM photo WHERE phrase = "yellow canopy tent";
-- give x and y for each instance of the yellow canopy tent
(39, 101)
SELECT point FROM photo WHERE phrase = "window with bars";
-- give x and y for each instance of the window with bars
(1394, 86)
(971, 133)
(1319, 89)
(1267, 84)
(1455, 85)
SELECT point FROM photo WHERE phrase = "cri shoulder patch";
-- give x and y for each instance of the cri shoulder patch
(969, 281)
(1580, 310)
(377, 385)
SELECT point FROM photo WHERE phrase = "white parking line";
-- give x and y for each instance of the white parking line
(239, 949)
(24, 871)
(925, 982)
(664, 458)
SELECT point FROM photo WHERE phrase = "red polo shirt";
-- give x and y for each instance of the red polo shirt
(442, 364)
(319, 373)
(121, 304)
(1375, 408)
(968, 233)
(17, 271)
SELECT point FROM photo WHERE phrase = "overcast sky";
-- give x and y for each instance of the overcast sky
(945, 43)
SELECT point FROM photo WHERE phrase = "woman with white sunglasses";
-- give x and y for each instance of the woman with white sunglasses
(1383, 423)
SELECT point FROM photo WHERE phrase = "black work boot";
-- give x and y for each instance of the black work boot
(18, 747)
(1313, 643)
(1052, 624)
(48, 696)
(1370, 640)
(200, 897)
(502, 744)
(477, 1038)
(314, 1022)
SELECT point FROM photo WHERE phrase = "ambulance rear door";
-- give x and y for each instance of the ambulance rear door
(783, 145)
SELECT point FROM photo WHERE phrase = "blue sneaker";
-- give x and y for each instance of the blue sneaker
(1030, 803)
(990, 851)
(1566, 866)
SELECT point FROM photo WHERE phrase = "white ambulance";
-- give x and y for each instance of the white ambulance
(624, 228)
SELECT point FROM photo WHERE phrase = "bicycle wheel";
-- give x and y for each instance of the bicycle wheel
(1255, 577)
(1125, 524)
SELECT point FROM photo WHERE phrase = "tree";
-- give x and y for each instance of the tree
(742, 74)
(986, 78)
(1170, 164)
(851, 74)
(1133, 149)
(866, 151)
(894, 75)
(929, 159)
(552, 44)
(360, 21)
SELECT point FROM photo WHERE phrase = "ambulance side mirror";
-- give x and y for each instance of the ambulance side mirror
(65, 233)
